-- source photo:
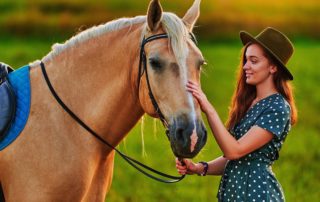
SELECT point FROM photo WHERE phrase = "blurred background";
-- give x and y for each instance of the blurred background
(28, 29)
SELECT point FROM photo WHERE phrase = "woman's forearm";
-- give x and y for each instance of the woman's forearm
(227, 143)
(217, 166)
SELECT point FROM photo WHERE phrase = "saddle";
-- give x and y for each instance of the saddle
(7, 100)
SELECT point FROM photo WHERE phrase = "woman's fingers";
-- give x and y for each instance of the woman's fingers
(182, 167)
(192, 83)
(190, 89)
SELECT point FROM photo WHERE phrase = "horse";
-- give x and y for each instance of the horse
(96, 74)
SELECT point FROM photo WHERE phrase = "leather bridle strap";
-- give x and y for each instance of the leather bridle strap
(136, 164)
(143, 61)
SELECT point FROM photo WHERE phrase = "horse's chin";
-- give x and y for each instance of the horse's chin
(181, 152)
(186, 155)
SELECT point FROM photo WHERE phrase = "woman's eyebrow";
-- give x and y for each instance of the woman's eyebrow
(252, 57)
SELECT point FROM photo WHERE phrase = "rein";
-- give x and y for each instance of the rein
(130, 160)
(136, 164)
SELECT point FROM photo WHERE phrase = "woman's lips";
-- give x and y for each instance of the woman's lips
(249, 74)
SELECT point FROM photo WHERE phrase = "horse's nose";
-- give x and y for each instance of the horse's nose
(183, 132)
(187, 136)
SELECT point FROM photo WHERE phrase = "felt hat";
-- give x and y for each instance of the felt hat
(275, 43)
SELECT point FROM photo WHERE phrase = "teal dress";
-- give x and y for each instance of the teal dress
(250, 178)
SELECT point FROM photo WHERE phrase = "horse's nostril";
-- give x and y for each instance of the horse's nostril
(179, 133)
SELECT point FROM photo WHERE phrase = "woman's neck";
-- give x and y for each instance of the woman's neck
(265, 89)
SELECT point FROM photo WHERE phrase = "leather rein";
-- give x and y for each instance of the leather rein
(136, 164)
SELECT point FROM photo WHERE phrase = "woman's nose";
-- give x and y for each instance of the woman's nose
(245, 66)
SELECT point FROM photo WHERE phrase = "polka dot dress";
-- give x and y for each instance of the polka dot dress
(250, 178)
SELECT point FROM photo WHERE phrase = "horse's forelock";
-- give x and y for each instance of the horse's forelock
(178, 35)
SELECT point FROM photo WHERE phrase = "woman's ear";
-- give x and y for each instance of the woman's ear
(273, 68)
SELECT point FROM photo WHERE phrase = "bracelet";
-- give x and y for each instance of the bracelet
(205, 168)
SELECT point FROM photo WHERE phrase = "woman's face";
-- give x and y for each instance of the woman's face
(257, 68)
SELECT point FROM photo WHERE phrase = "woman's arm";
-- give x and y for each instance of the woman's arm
(255, 138)
(215, 167)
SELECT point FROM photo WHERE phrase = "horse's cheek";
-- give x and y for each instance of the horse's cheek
(146, 103)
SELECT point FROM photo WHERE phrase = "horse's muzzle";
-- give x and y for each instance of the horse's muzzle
(187, 137)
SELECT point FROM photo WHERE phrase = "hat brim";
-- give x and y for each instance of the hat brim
(246, 38)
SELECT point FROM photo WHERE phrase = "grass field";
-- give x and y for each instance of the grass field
(297, 169)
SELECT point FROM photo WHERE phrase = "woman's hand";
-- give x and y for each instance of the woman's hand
(189, 167)
(199, 95)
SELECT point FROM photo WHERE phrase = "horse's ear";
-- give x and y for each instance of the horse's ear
(192, 15)
(154, 15)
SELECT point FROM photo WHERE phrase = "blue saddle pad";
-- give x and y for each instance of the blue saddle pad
(20, 82)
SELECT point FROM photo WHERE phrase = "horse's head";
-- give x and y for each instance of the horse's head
(170, 63)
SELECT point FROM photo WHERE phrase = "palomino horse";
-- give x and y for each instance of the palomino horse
(96, 74)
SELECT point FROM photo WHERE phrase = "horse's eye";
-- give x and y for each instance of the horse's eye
(202, 63)
(155, 63)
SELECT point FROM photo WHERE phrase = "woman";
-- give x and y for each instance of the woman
(261, 114)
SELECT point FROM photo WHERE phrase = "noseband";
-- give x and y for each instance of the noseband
(136, 164)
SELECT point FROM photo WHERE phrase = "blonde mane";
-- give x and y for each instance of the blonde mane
(172, 25)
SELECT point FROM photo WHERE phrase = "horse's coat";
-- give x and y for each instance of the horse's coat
(95, 73)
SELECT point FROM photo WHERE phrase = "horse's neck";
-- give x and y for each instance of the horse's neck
(97, 80)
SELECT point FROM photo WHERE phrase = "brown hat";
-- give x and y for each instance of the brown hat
(275, 43)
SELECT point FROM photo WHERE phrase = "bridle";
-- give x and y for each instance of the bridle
(143, 68)
(136, 164)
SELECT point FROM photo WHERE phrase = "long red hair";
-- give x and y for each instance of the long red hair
(244, 93)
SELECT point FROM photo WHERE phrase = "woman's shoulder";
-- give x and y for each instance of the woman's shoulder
(276, 108)
(279, 103)
(275, 118)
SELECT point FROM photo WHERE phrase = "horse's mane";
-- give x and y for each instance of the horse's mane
(172, 24)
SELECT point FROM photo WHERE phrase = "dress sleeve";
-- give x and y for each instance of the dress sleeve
(275, 119)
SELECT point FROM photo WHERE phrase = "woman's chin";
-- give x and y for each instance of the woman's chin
(249, 81)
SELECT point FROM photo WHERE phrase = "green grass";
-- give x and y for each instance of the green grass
(298, 166)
